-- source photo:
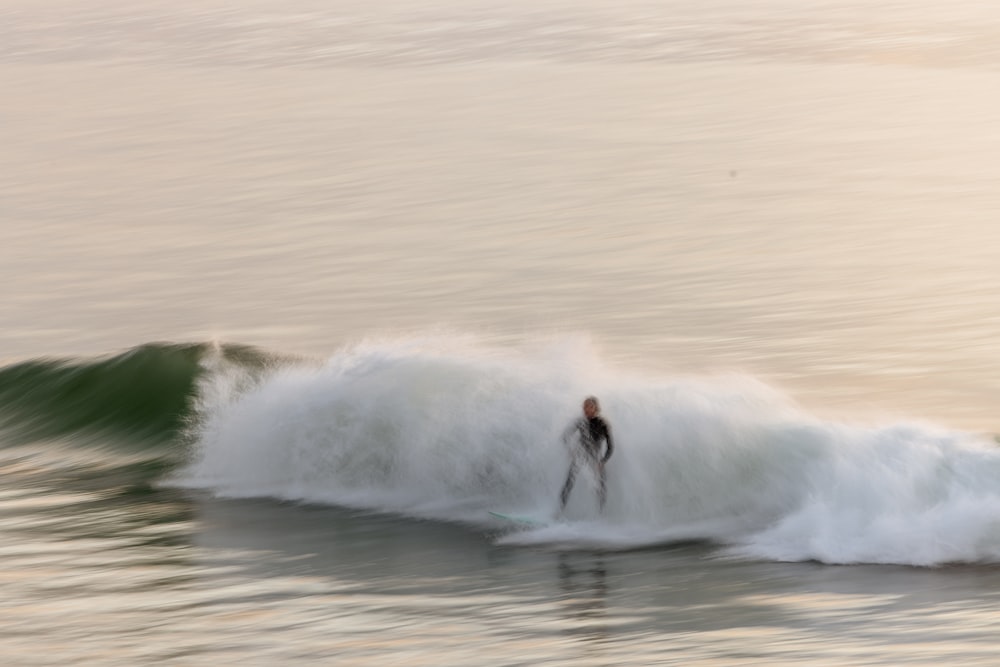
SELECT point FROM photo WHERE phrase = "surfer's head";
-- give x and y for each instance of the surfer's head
(591, 407)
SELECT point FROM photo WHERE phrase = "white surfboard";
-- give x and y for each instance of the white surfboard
(523, 520)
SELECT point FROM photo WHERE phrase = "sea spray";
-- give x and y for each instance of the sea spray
(450, 427)
(438, 427)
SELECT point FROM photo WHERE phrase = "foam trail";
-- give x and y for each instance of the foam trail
(900, 494)
(448, 428)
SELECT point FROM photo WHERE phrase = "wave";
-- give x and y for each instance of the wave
(143, 395)
(448, 428)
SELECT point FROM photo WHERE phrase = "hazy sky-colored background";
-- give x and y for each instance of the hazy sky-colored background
(807, 193)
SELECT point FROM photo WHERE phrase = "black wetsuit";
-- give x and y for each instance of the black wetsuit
(593, 432)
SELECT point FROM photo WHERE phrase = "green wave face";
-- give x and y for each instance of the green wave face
(142, 396)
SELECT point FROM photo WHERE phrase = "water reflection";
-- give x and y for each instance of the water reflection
(584, 586)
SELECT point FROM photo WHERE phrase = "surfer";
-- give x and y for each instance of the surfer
(591, 431)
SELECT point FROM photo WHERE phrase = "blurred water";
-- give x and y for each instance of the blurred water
(179, 580)
(804, 191)
(818, 214)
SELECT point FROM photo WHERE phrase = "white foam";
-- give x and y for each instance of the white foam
(447, 427)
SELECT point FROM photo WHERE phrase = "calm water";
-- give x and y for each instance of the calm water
(382, 249)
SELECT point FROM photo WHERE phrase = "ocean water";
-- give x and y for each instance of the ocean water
(294, 294)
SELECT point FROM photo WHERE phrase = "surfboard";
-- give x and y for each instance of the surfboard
(523, 520)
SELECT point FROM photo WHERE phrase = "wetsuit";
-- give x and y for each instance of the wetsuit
(592, 433)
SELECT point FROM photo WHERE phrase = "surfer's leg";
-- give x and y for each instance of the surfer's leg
(602, 486)
(568, 486)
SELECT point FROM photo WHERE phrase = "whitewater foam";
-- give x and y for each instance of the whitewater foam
(449, 427)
